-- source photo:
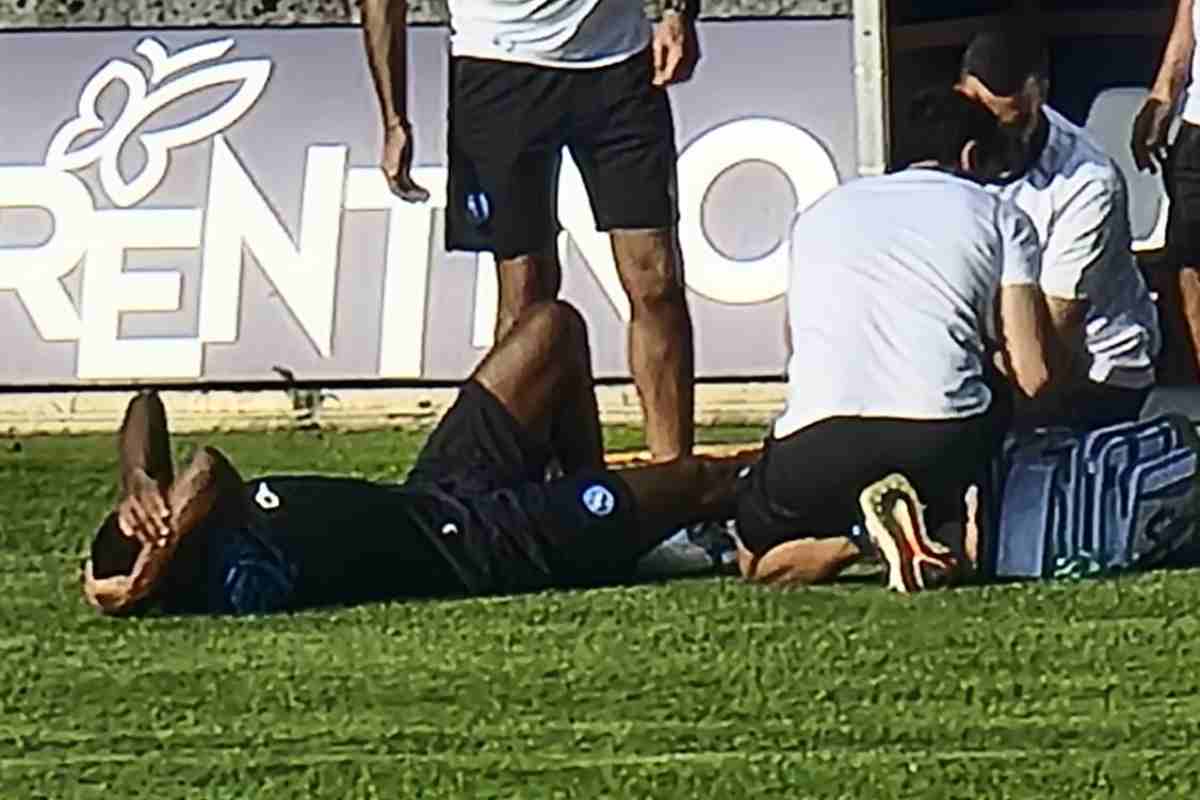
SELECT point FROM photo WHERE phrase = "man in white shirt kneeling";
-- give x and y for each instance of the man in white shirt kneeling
(904, 290)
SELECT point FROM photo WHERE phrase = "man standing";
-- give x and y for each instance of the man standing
(1182, 172)
(529, 77)
(1099, 303)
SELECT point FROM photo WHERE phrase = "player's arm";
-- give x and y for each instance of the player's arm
(144, 446)
(209, 486)
(385, 35)
(1068, 319)
(1029, 352)
(1150, 126)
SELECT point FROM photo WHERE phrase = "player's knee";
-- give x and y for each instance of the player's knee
(567, 318)
(557, 323)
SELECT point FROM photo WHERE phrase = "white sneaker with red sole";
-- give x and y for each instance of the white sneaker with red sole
(895, 521)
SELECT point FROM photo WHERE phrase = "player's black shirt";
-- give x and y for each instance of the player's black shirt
(354, 541)
(319, 541)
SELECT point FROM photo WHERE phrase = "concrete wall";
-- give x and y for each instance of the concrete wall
(176, 13)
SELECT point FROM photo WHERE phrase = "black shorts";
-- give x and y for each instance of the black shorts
(511, 529)
(1098, 406)
(807, 484)
(508, 125)
(1182, 178)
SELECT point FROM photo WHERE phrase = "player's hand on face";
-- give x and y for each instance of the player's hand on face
(143, 513)
(397, 164)
(673, 50)
(1149, 140)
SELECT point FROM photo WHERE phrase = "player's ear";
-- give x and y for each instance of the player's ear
(968, 158)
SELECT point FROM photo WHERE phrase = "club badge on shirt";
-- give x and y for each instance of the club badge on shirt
(598, 500)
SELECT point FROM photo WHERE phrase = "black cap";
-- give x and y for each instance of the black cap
(1002, 61)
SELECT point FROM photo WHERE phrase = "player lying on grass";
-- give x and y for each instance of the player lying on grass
(475, 515)
(903, 290)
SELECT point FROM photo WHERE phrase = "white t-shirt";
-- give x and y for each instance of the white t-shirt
(1077, 199)
(892, 297)
(1191, 106)
(578, 34)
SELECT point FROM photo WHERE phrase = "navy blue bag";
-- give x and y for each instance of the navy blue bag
(1069, 504)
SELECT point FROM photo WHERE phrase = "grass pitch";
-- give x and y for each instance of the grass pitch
(700, 688)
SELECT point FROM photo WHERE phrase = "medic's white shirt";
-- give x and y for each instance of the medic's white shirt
(1078, 200)
(578, 34)
(892, 297)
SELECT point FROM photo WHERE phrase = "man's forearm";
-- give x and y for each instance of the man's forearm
(144, 442)
(1177, 58)
(209, 487)
(210, 484)
(385, 25)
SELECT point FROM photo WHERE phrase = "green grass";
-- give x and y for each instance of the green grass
(704, 688)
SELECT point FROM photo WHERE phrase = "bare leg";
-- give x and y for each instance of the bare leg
(801, 562)
(673, 494)
(661, 357)
(523, 282)
(575, 432)
(542, 373)
(811, 560)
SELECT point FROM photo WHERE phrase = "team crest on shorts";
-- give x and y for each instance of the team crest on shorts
(599, 500)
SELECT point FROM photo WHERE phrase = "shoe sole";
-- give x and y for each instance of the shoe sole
(901, 538)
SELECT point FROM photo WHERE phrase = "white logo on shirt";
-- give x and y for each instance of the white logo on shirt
(265, 498)
(449, 529)
(598, 500)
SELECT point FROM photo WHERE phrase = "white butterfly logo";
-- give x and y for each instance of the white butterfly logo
(146, 97)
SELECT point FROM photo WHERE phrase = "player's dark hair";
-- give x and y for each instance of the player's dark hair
(941, 122)
(1004, 60)
(113, 553)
